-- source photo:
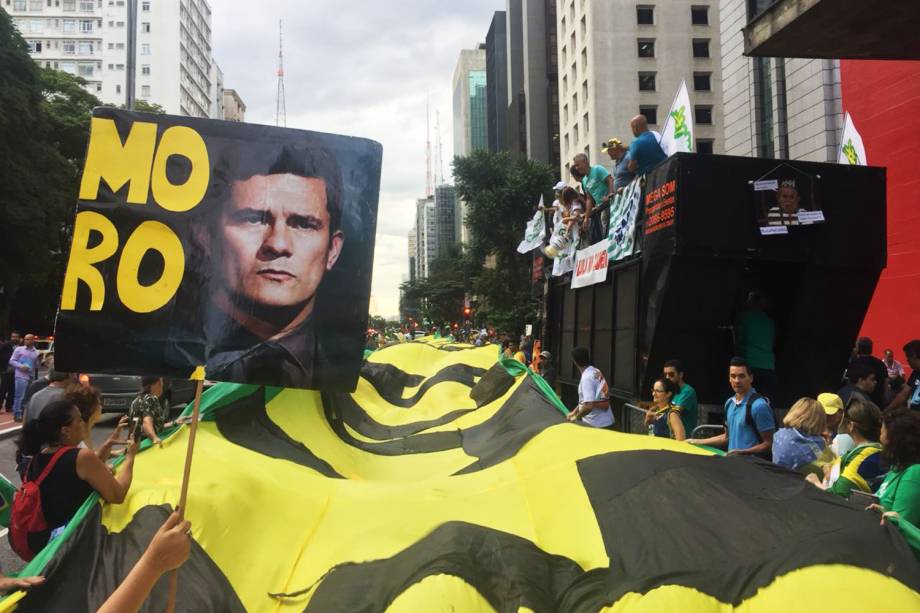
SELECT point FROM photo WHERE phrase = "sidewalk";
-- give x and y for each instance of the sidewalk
(8, 427)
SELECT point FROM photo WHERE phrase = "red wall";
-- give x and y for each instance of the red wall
(883, 99)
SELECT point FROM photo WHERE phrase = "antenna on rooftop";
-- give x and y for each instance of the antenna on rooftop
(428, 187)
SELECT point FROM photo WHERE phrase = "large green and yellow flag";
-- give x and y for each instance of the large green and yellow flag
(451, 482)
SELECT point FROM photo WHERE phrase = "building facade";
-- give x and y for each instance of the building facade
(618, 59)
(497, 80)
(786, 108)
(88, 38)
(234, 107)
(412, 254)
(470, 119)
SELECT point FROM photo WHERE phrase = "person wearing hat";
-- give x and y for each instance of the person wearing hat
(547, 368)
(622, 175)
(833, 409)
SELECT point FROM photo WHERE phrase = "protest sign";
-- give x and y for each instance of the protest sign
(244, 248)
(590, 265)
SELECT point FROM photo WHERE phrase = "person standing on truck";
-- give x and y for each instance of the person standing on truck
(593, 400)
(755, 334)
(749, 420)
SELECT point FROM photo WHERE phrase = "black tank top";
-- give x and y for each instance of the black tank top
(63, 492)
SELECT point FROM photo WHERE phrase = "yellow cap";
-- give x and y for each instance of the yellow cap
(832, 403)
(611, 144)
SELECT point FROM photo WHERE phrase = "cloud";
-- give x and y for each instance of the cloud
(362, 68)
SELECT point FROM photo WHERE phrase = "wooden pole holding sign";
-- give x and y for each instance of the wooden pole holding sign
(198, 376)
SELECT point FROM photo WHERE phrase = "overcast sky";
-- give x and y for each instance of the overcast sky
(362, 68)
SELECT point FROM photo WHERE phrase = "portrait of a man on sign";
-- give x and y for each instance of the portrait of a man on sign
(261, 275)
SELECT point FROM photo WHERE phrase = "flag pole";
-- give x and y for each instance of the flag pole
(198, 375)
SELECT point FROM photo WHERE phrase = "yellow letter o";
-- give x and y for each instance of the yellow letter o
(184, 141)
(147, 298)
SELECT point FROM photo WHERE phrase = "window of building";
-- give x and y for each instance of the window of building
(145, 49)
(111, 66)
(111, 45)
(574, 73)
(145, 69)
(119, 66)
(119, 24)
(36, 5)
(119, 45)
(145, 27)
(584, 60)
(145, 7)
(650, 112)
(19, 5)
(86, 26)
(565, 83)
(87, 6)
(701, 47)
(646, 81)
(36, 26)
(35, 46)
(575, 106)
(69, 5)
(562, 24)
(564, 53)
(69, 67)
(703, 114)
(85, 70)
(575, 131)
(118, 89)
(84, 47)
(565, 114)
(584, 90)
(645, 15)
(699, 15)
(584, 122)
(702, 81)
(70, 25)
(646, 47)
(111, 24)
(98, 87)
(69, 47)
(572, 12)
(704, 145)
(584, 29)
(145, 91)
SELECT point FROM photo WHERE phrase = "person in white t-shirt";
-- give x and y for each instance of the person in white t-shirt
(593, 401)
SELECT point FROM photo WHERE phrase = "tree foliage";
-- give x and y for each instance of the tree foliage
(439, 297)
(502, 192)
(44, 119)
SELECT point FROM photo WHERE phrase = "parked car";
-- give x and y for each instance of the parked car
(44, 345)
(119, 390)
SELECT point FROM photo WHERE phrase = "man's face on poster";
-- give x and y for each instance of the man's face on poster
(788, 199)
(277, 241)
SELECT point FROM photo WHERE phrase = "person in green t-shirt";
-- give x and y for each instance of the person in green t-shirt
(685, 398)
(755, 333)
(899, 494)
(598, 184)
(860, 468)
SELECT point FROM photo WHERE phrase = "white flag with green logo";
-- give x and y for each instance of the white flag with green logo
(677, 135)
(852, 150)
(535, 232)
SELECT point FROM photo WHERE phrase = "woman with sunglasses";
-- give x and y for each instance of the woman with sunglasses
(663, 419)
(861, 467)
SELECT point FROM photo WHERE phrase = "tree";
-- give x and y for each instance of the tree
(439, 297)
(44, 116)
(143, 106)
(501, 192)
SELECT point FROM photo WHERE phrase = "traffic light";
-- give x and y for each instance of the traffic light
(467, 311)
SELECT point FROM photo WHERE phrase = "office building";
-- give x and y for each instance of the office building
(88, 38)
(436, 229)
(497, 80)
(618, 59)
(788, 108)
(412, 254)
(469, 106)
(234, 107)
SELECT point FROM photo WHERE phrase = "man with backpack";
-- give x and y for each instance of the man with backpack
(749, 420)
